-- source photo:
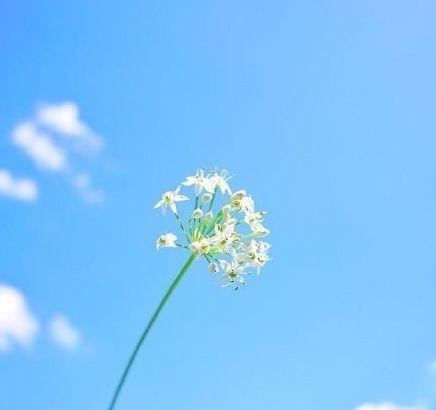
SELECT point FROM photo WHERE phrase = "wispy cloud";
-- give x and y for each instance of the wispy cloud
(21, 189)
(63, 333)
(387, 406)
(64, 119)
(39, 147)
(53, 138)
(17, 323)
(82, 182)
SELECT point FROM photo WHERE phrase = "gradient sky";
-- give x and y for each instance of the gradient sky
(324, 111)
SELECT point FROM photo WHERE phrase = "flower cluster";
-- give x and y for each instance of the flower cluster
(227, 237)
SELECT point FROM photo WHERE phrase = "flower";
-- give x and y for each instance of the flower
(254, 254)
(169, 199)
(199, 181)
(167, 240)
(219, 180)
(232, 273)
(237, 199)
(214, 238)
(225, 235)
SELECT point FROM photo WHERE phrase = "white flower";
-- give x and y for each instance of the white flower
(224, 237)
(258, 230)
(167, 240)
(237, 199)
(197, 214)
(254, 254)
(247, 204)
(226, 209)
(220, 181)
(200, 247)
(254, 217)
(232, 273)
(169, 199)
(200, 181)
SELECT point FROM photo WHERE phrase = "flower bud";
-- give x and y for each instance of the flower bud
(197, 214)
(238, 195)
(207, 197)
(226, 209)
(208, 216)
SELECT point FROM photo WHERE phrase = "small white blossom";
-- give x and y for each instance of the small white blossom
(232, 273)
(247, 204)
(200, 181)
(237, 199)
(220, 181)
(224, 237)
(226, 209)
(167, 240)
(259, 230)
(169, 200)
(254, 217)
(254, 254)
(197, 214)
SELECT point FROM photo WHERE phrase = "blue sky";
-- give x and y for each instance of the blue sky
(324, 111)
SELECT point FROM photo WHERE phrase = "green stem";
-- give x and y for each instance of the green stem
(212, 200)
(181, 226)
(162, 303)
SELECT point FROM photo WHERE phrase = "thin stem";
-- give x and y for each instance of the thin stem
(181, 226)
(212, 200)
(162, 303)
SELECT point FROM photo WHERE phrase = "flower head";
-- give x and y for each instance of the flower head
(226, 235)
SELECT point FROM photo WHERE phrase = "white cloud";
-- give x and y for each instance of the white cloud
(64, 119)
(44, 138)
(64, 333)
(39, 146)
(21, 189)
(82, 182)
(387, 406)
(17, 324)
